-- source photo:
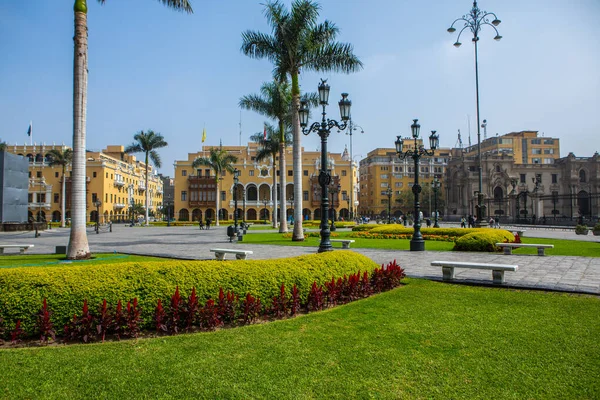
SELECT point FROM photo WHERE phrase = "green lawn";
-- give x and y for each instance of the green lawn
(47, 260)
(561, 247)
(423, 340)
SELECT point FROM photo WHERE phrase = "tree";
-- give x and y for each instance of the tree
(147, 143)
(269, 148)
(78, 243)
(63, 159)
(219, 161)
(405, 201)
(298, 42)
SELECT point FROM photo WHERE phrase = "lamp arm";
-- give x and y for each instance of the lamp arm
(331, 123)
(487, 23)
(427, 153)
(461, 31)
(315, 126)
(463, 18)
(486, 14)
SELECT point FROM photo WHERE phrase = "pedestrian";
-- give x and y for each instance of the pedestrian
(497, 222)
(471, 221)
(463, 222)
(207, 223)
(491, 222)
(428, 221)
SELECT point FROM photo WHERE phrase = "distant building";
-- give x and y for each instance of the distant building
(14, 181)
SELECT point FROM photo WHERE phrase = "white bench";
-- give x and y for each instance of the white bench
(239, 254)
(22, 247)
(497, 269)
(540, 247)
(345, 242)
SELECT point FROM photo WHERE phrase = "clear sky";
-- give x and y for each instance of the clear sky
(154, 68)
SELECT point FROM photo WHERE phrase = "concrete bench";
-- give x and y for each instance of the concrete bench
(345, 242)
(540, 247)
(239, 254)
(497, 269)
(22, 247)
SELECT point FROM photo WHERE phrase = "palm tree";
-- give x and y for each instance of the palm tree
(78, 243)
(269, 148)
(147, 143)
(219, 161)
(299, 42)
(62, 158)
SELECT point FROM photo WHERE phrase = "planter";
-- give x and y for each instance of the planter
(596, 233)
(582, 232)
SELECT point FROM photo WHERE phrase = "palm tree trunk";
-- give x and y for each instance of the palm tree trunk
(62, 197)
(217, 200)
(274, 193)
(146, 213)
(298, 235)
(282, 172)
(78, 244)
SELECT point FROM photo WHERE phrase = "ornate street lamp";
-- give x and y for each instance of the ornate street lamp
(436, 186)
(97, 203)
(334, 190)
(351, 128)
(389, 196)
(132, 208)
(236, 180)
(323, 129)
(265, 202)
(417, 243)
(474, 21)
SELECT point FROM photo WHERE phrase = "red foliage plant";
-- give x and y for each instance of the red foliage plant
(294, 301)
(133, 319)
(315, 298)
(366, 285)
(280, 303)
(227, 306)
(160, 317)
(209, 318)
(175, 311)
(119, 320)
(44, 324)
(251, 308)
(191, 310)
(82, 327)
(517, 238)
(17, 334)
(104, 321)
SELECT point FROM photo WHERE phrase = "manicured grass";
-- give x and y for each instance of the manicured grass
(423, 340)
(561, 247)
(47, 260)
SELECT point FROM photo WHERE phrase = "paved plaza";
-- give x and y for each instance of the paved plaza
(563, 273)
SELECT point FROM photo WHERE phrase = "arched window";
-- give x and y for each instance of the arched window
(582, 176)
(498, 194)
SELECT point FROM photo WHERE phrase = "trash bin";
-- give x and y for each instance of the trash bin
(240, 236)
(230, 232)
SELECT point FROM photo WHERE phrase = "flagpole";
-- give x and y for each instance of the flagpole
(31, 133)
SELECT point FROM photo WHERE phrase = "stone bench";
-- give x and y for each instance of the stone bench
(22, 247)
(540, 247)
(345, 242)
(239, 254)
(497, 269)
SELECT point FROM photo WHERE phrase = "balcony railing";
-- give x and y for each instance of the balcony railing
(118, 205)
(119, 183)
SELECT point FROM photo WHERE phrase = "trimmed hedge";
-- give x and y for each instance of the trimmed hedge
(65, 287)
(483, 239)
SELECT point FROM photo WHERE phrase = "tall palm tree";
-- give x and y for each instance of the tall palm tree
(269, 148)
(298, 42)
(274, 102)
(62, 158)
(78, 243)
(147, 143)
(218, 160)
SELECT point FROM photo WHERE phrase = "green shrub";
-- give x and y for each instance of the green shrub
(364, 227)
(581, 229)
(483, 239)
(597, 227)
(66, 287)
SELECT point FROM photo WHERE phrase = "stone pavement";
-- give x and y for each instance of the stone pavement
(562, 273)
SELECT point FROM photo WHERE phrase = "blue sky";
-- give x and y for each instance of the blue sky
(153, 68)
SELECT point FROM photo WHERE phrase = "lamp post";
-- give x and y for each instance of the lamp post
(323, 129)
(97, 203)
(132, 203)
(474, 21)
(244, 205)
(352, 127)
(436, 186)
(389, 196)
(291, 201)
(334, 189)
(417, 243)
(265, 202)
(236, 179)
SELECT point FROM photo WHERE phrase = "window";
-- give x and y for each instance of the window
(305, 172)
(42, 197)
(199, 172)
(582, 176)
(536, 141)
(398, 169)
(548, 160)
(548, 141)
(290, 172)
(383, 176)
(94, 197)
(305, 194)
(30, 174)
(106, 198)
(548, 151)
(251, 172)
(111, 176)
(107, 175)
(384, 184)
(536, 151)
(536, 160)
(183, 195)
(223, 194)
(94, 174)
(538, 178)
(522, 178)
(264, 172)
(56, 174)
(554, 178)
(207, 172)
(30, 197)
(39, 174)
(398, 184)
(343, 172)
(56, 197)
(344, 195)
(384, 168)
(183, 172)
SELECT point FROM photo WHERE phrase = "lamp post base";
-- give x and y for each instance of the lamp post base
(417, 245)
(324, 248)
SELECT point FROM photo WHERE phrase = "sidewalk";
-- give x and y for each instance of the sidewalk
(563, 273)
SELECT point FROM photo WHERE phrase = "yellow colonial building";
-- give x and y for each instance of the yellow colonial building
(383, 169)
(195, 189)
(115, 179)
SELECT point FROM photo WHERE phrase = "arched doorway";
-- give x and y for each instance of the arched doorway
(184, 215)
(196, 214)
(56, 216)
(264, 214)
(583, 203)
(223, 214)
(317, 214)
(209, 214)
(251, 214)
(305, 214)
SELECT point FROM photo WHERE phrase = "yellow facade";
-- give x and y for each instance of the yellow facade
(383, 169)
(195, 189)
(525, 146)
(113, 177)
